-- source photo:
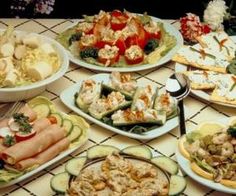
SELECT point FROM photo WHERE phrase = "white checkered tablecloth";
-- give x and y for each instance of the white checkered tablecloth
(38, 185)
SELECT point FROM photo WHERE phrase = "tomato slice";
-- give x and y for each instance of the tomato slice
(22, 136)
(120, 43)
(118, 22)
(52, 119)
(101, 44)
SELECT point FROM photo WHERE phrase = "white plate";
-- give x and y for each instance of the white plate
(47, 164)
(29, 91)
(67, 97)
(185, 165)
(168, 27)
(200, 93)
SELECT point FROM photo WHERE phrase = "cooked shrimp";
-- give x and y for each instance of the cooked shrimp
(233, 141)
(220, 139)
(201, 152)
(227, 149)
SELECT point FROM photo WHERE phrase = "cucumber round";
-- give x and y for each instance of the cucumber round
(68, 125)
(60, 182)
(166, 164)
(74, 166)
(138, 151)
(58, 117)
(75, 133)
(177, 185)
(42, 110)
(101, 151)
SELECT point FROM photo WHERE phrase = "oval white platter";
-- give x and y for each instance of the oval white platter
(49, 163)
(67, 97)
(200, 93)
(168, 27)
(185, 166)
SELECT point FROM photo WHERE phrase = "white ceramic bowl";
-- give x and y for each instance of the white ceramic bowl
(29, 91)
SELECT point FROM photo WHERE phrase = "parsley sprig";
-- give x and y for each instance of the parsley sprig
(23, 121)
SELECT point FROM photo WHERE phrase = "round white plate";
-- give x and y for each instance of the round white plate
(168, 27)
(200, 93)
(67, 97)
(185, 166)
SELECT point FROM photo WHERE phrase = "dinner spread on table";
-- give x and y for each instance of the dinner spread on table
(35, 134)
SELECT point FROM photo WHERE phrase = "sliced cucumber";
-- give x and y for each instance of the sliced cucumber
(128, 95)
(58, 117)
(138, 151)
(85, 105)
(68, 125)
(101, 151)
(177, 185)
(166, 164)
(75, 133)
(42, 110)
(60, 182)
(74, 166)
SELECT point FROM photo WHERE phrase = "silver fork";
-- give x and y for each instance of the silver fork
(15, 108)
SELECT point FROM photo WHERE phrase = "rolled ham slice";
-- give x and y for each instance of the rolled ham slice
(34, 145)
(27, 111)
(4, 123)
(44, 156)
(41, 124)
(2, 147)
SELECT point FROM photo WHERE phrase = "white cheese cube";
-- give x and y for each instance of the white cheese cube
(40, 70)
(10, 79)
(6, 64)
(47, 48)
(7, 49)
(20, 51)
(32, 41)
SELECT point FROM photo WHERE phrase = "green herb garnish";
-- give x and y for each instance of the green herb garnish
(221, 44)
(232, 87)
(203, 53)
(23, 121)
(9, 141)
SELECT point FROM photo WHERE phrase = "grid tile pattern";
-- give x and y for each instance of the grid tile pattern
(199, 111)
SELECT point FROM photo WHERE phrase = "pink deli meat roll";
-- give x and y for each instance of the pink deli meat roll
(34, 145)
(44, 156)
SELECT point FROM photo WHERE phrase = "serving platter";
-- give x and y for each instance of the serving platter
(67, 97)
(138, 163)
(28, 91)
(132, 68)
(185, 166)
(204, 95)
(75, 145)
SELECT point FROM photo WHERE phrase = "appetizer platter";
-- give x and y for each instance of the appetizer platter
(120, 41)
(107, 170)
(211, 68)
(207, 154)
(119, 103)
(28, 62)
(35, 137)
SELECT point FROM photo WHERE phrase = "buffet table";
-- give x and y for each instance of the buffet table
(198, 111)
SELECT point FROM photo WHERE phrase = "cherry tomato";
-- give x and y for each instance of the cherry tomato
(22, 136)
(120, 43)
(109, 61)
(138, 58)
